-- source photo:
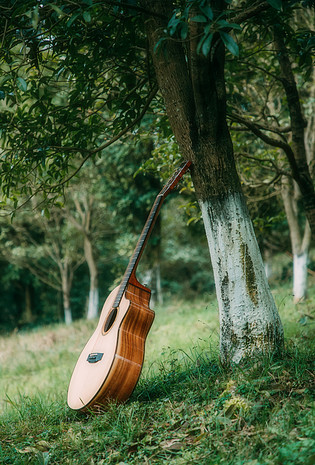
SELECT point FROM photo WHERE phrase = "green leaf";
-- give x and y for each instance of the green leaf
(277, 4)
(35, 17)
(72, 19)
(184, 31)
(22, 84)
(200, 45)
(173, 23)
(199, 19)
(223, 23)
(235, 26)
(230, 43)
(174, 26)
(58, 10)
(207, 11)
(87, 16)
(158, 45)
(206, 46)
(46, 213)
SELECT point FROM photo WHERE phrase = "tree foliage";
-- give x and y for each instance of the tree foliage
(75, 76)
(70, 85)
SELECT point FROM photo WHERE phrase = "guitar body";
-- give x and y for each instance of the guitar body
(110, 364)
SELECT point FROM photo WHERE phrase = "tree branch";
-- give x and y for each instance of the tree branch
(262, 198)
(273, 129)
(264, 160)
(254, 10)
(254, 128)
(137, 8)
(262, 69)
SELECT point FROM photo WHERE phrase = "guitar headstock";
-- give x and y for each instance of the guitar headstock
(174, 179)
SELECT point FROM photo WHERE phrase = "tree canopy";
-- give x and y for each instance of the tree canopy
(76, 76)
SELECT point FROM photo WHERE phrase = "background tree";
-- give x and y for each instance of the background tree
(46, 247)
(278, 121)
(86, 208)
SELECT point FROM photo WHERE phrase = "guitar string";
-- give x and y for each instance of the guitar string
(146, 230)
(138, 250)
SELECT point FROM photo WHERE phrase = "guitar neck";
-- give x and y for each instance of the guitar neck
(147, 229)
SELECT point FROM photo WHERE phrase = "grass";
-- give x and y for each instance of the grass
(185, 409)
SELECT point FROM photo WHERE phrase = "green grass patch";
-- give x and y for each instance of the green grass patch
(186, 409)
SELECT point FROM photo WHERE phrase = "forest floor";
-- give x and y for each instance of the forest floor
(186, 409)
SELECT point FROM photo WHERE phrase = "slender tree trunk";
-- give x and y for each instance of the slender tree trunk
(268, 262)
(84, 209)
(300, 276)
(67, 308)
(66, 287)
(300, 243)
(298, 162)
(27, 316)
(309, 138)
(94, 291)
(152, 279)
(193, 88)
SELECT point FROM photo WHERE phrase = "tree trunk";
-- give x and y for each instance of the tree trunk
(300, 276)
(158, 285)
(193, 88)
(94, 291)
(68, 314)
(300, 243)
(83, 206)
(310, 129)
(268, 262)
(66, 287)
(248, 317)
(152, 279)
(298, 162)
(27, 316)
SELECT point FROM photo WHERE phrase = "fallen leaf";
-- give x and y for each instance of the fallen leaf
(27, 450)
(43, 446)
(172, 445)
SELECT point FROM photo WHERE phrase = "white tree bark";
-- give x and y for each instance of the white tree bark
(68, 315)
(300, 239)
(300, 276)
(268, 263)
(66, 279)
(93, 304)
(249, 320)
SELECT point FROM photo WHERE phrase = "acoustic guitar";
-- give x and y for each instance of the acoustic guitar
(110, 364)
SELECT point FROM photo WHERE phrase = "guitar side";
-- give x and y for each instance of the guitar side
(120, 351)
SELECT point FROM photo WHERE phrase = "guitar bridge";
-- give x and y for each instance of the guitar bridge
(95, 357)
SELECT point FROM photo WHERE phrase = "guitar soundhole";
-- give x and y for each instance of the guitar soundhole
(110, 320)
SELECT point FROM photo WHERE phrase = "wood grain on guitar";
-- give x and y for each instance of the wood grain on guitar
(110, 364)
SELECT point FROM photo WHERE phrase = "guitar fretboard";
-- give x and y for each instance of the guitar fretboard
(134, 260)
(145, 234)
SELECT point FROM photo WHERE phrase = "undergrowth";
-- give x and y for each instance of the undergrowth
(186, 409)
